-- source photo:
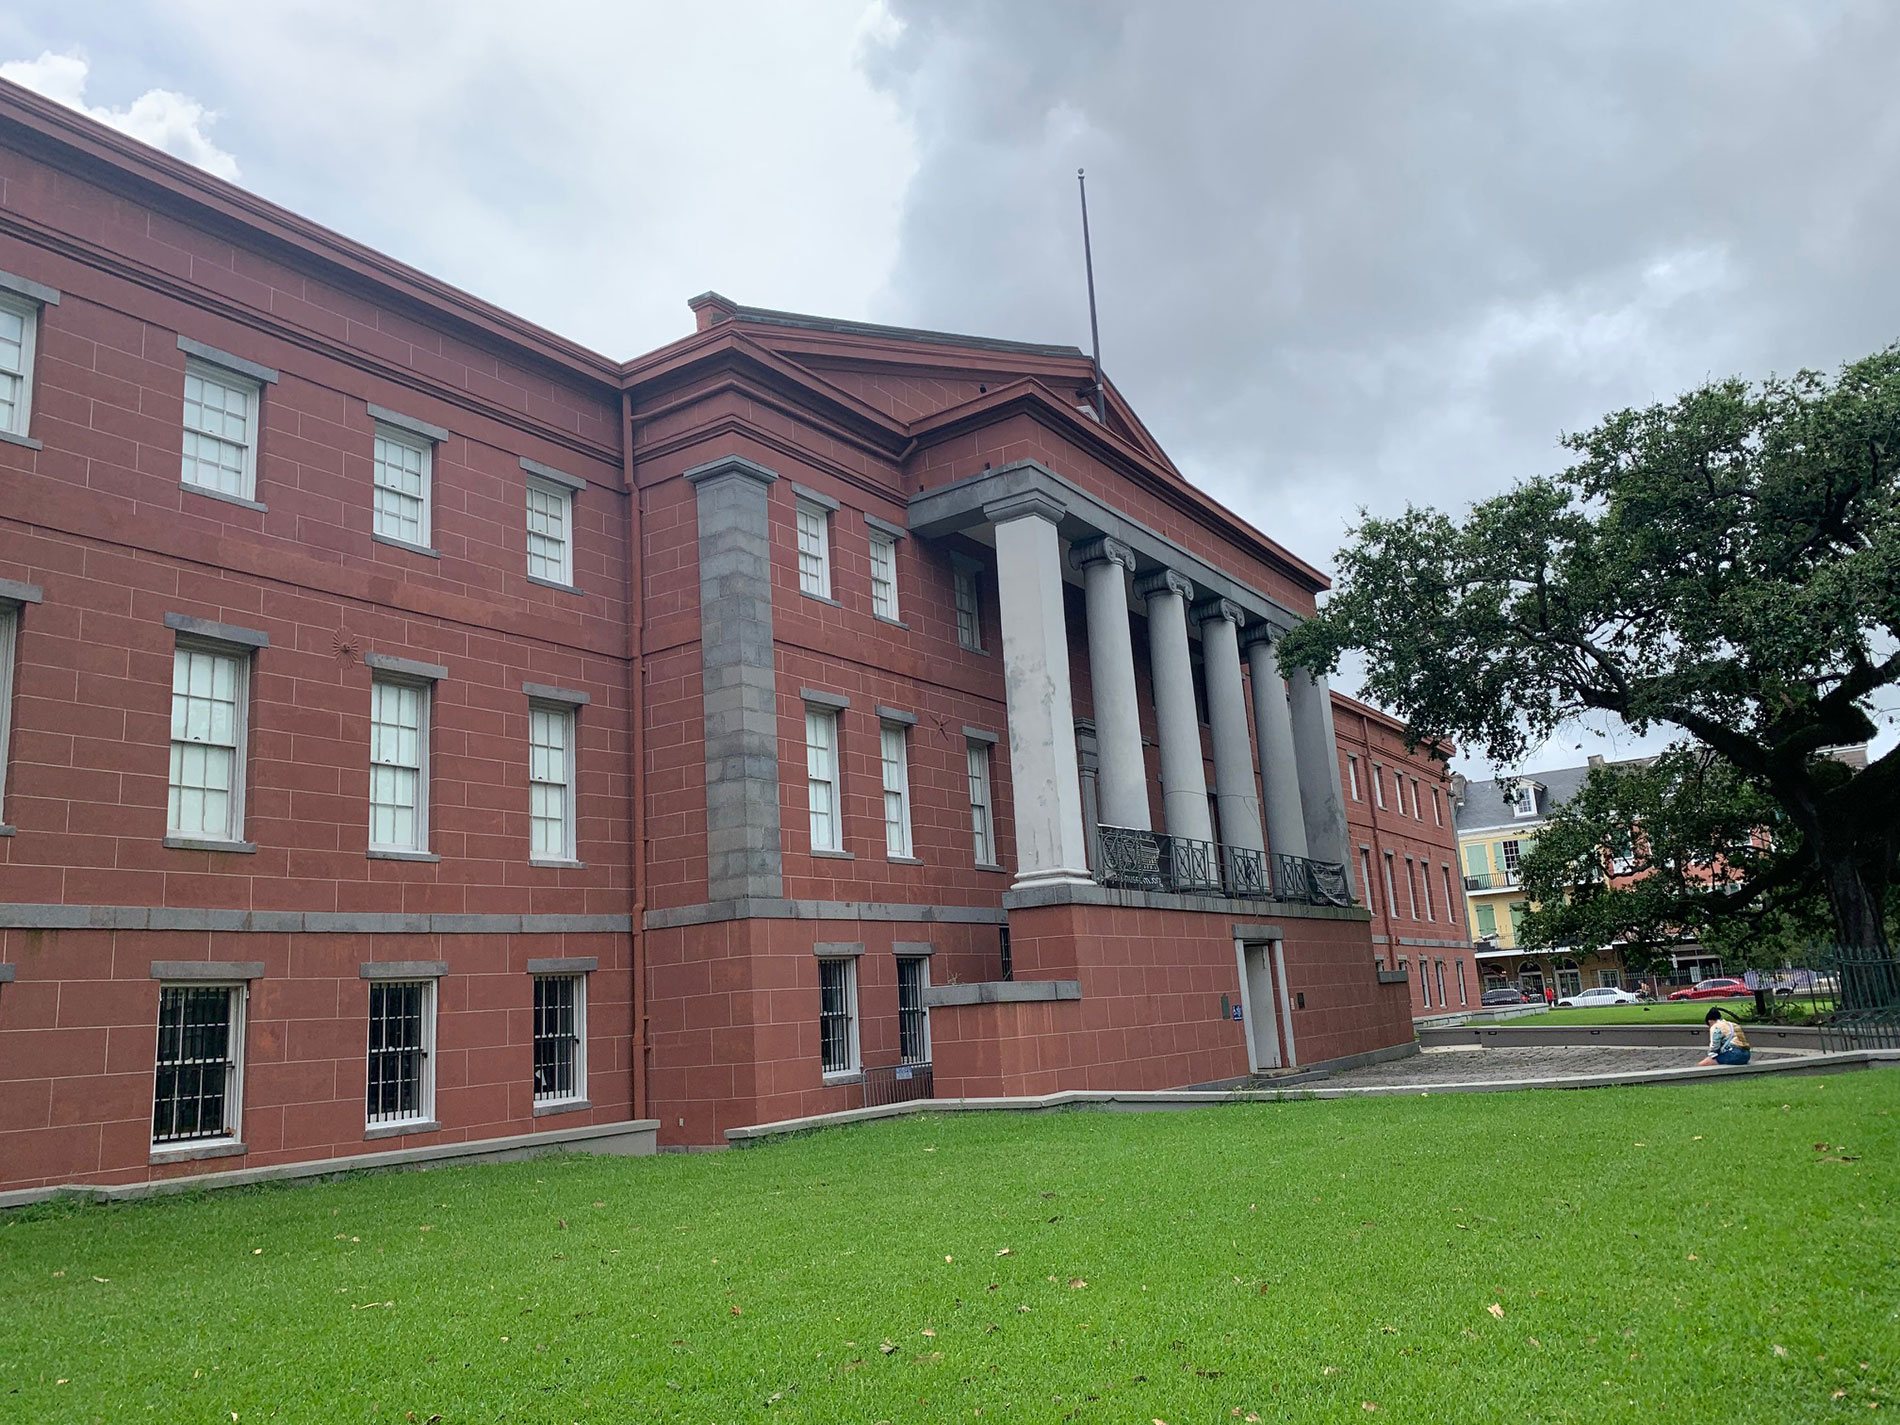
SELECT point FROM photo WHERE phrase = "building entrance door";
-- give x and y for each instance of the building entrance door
(1261, 1008)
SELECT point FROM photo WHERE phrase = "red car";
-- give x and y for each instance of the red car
(1715, 989)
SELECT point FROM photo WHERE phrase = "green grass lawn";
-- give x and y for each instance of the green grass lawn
(1658, 1254)
(1681, 1012)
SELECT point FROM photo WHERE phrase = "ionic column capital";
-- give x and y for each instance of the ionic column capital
(1101, 550)
(1163, 581)
(1261, 632)
(1210, 609)
(1030, 502)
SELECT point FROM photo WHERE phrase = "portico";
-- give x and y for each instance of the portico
(1207, 844)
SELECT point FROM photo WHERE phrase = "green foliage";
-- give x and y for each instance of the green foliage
(1728, 564)
(1289, 1261)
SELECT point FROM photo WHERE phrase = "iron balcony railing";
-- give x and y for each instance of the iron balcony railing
(1491, 881)
(1150, 861)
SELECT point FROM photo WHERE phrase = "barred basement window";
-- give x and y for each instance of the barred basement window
(883, 575)
(402, 471)
(401, 1066)
(838, 1016)
(560, 1038)
(913, 1019)
(196, 1094)
(220, 431)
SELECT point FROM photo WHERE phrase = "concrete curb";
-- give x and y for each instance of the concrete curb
(1164, 1099)
(635, 1138)
(1655, 1036)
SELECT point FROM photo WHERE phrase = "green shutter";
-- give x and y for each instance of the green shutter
(1487, 920)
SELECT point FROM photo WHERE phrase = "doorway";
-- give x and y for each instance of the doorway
(1262, 1000)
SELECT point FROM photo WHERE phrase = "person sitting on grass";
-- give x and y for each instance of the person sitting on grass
(1727, 1043)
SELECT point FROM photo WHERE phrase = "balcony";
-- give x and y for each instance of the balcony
(1150, 861)
(1492, 881)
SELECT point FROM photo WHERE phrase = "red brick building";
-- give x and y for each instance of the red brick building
(1399, 808)
(402, 712)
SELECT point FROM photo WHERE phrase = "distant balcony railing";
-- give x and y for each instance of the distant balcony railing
(1150, 861)
(1491, 881)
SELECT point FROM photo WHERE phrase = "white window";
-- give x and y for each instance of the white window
(551, 783)
(197, 1089)
(9, 636)
(1391, 895)
(883, 574)
(1461, 984)
(1411, 887)
(560, 1038)
(982, 828)
(838, 1016)
(1451, 905)
(814, 549)
(1352, 776)
(550, 531)
(1438, 809)
(821, 779)
(401, 1052)
(1378, 786)
(893, 748)
(1398, 790)
(19, 333)
(1417, 815)
(402, 471)
(969, 610)
(220, 431)
(913, 1017)
(1425, 880)
(1609, 980)
(1365, 875)
(398, 766)
(1523, 799)
(206, 794)
(1425, 980)
(1513, 857)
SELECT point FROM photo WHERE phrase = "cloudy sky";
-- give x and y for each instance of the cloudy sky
(1348, 255)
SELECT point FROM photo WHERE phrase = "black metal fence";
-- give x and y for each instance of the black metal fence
(897, 1083)
(1151, 861)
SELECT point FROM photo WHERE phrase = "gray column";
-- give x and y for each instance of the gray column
(1044, 780)
(1183, 779)
(1122, 786)
(1316, 753)
(1227, 714)
(737, 681)
(1273, 725)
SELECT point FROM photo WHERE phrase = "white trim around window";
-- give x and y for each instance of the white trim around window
(1352, 776)
(400, 1084)
(552, 734)
(884, 575)
(550, 531)
(560, 1040)
(403, 472)
(198, 1067)
(969, 602)
(210, 716)
(19, 341)
(838, 1018)
(814, 549)
(982, 817)
(220, 431)
(894, 754)
(823, 798)
(399, 765)
(9, 645)
(913, 1013)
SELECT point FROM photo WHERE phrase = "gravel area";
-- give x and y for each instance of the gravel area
(1557, 1061)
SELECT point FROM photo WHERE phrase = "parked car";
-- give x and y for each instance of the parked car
(1492, 998)
(1601, 995)
(1724, 988)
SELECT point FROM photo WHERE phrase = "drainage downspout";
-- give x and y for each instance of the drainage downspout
(636, 754)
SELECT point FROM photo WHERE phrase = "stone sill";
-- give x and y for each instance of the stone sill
(205, 843)
(1393, 977)
(239, 500)
(854, 1076)
(559, 865)
(1001, 992)
(399, 1130)
(376, 854)
(196, 1152)
(26, 440)
(905, 860)
(825, 855)
(541, 583)
(565, 1105)
(394, 543)
(820, 598)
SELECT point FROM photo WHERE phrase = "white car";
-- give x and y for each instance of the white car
(1598, 997)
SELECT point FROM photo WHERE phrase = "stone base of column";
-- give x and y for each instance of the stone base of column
(1052, 876)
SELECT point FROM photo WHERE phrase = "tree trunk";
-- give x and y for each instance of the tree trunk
(1860, 926)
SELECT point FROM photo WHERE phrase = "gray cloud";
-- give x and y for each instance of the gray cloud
(1360, 255)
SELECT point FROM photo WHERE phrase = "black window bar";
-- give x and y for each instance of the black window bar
(195, 1065)
(556, 1038)
(396, 1053)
